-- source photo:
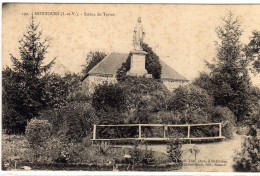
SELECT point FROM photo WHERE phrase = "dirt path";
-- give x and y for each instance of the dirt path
(212, 157)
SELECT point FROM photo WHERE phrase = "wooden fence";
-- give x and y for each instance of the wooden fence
(165, 128)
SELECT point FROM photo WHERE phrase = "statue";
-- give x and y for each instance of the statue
(138, 35)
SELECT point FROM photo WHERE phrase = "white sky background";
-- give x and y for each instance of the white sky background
(182, 35)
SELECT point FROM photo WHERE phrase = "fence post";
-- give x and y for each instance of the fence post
(140, 131)
(188, 131)
(94, 132)
(164, 131)
(220, 129)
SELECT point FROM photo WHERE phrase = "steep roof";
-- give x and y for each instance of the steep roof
(112, 62)
(169, 73)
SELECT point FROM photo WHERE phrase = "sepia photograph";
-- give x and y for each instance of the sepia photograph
(130, 87)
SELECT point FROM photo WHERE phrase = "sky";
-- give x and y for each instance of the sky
(183, 36)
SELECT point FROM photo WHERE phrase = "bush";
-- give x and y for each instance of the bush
(248, 160)
(190, 97)
(38, 131)
(140, 156)
(226, 116)
(72, 122)
(174, 150)
(109, 97)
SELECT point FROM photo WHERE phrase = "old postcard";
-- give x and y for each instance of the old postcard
(130, 87)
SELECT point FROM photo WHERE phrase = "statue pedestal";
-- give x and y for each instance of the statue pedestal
(137, 65)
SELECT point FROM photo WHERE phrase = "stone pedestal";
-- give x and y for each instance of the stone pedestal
(137, 65)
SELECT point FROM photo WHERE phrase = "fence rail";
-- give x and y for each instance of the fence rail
(165, 128)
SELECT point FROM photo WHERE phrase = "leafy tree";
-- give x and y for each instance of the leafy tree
(93, 58)
(192, 102)
(190, 97)
(23, 87)
(59, 90)
(152, 64)
(144, 96)
(204, 81)
(252, 51)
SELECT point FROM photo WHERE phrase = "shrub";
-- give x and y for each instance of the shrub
(190, 97)
(148, 157)
(226, 116)
(72, 122)
(109, 97)
(248, 160)
(136, 154)
(38, 131)
(174, 150)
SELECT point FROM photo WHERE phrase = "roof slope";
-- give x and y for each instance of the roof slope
(169, 73)
(112, 62)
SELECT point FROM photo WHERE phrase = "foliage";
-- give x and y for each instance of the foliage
(59, 89)
(229, 80)
(152, 64)
(248, 159)
(93, 58)
(109, 97)
(140, 156)
(148, 157)
(190, 97)
(23, 86)
(226, 117)
(130, 101)
(204, 81)
(191, 104)
(144, 96)
(252, 51)
(37, 132)
(72, 122)
(174, 150)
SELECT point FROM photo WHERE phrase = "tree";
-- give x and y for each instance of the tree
(93, 58)
(152, 64)
(229, 80)
(23, 87)
(192, 103)
(252, 51)
(59, 90)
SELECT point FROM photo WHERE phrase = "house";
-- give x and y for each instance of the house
(105, 71)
